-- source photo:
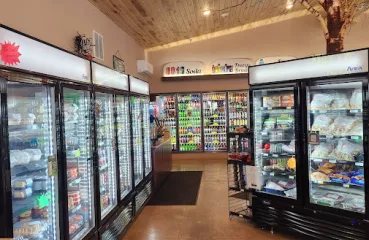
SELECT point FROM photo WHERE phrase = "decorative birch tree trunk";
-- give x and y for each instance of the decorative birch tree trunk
(340, 14)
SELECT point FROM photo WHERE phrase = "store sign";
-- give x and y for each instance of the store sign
(267, 60)
(107, 77)
(25, 53)
(138, 86)
(320, 66)
(176, 69)
(231, 66)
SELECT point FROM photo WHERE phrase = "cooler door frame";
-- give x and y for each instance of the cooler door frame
(298, 136)
(129, 195)
(101, 222)
(337, 80)
(64, 185)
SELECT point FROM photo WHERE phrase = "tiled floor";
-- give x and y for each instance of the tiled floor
(208, 220)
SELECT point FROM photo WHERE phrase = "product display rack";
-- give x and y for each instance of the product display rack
(168, 114)
(237, 109)
(239, 197)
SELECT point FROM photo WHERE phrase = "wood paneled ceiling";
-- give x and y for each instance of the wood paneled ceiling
(157, 22)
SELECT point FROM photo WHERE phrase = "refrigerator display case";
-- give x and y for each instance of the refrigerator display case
(105, 138)
(146, 134)
(336, 145)
(215, 121)
(168, 115)
(189, 122)
(124, 145)
(237, 109)
(33, 159)
(275, 140)
(137, 137)
(77, 123)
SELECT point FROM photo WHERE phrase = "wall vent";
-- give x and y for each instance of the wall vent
(98, 41)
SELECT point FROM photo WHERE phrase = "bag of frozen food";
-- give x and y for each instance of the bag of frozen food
(358, 178)
(14, 119)
(322, 123)
(19, 157)
(356, 204)
(356, 99)
(273, 186)
(318, 176)
(290, 148)
(342, 125)
(34, 153)
(291, 193)
(341, 177)
(356, 130)
(340, 101)
(322, 150)
(321, 101)
(346, 150)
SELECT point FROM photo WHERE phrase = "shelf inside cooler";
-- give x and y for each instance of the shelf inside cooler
(35, 126)
(277, 155)
(358, 164)
(331, 137)
(337, 184)
(346, 111)
(289, 175)
(276, 108)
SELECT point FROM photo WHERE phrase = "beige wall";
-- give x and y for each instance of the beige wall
(57, 22)
(300, 37)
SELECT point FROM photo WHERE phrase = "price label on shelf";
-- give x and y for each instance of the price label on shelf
(190, 133)
(359, 164)
(215, 141)
(288, 107)
(275, 155)
(214, 133)
(271, 174)
(215, 116)
(355, 137)
(323, 111)
(333, 161)
(269, 108)
(291, 177)
(320, 182)
(354, 111)
(346, 185)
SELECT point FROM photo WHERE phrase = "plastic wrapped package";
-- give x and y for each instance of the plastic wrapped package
(341, 177)
(19, 158)
(29, 229)
(14, 119)
(355, 204)
(357, 130)
(342, 125)
(290, 148)
(285, 122)
(322, 150)
(356, 99)
(291, 193)
(322, 123)
(39, 184)
(22, 183)
(35, 154)
(346, 150)
(321, 101)
(22, 194)
(327, 198)
(28, 118)
(269, 123)
(274, 188)
(340, 101)
(318, 176)
(358, 178)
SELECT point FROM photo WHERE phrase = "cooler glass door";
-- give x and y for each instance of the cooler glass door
(189, 121)
(106, 152)
(124, 145)
(78, 149)
(168, 112)
(335, 146)
(146, 134)
(237, 108)
(274, 143)
(34, 173)
(137, 139)
(215, 121)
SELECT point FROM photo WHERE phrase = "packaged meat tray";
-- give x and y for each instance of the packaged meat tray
(327, 199)
(358, 178)
(339, 177)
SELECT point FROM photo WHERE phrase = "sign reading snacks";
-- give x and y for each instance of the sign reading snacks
(231, 66)
(267, 60)
(176, 69)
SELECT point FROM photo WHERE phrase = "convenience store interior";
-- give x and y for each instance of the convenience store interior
(107, 106)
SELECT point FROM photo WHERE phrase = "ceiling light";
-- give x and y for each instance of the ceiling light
(206, 12)
(289, 4)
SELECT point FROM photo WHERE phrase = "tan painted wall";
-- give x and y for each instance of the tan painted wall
(300, 37)
(57, 22)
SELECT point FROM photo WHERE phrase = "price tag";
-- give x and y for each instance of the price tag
(355, 137)
(354, 111)
(318, 160)
(291, 177)
(323, 111)
(265, 154)
(359, 164)
(320, 182)
(215, 116)
(275, 155)
(288, 107)
(346, 185)
(269, 108)
(333, 161)
(271, 174)
(214, 133)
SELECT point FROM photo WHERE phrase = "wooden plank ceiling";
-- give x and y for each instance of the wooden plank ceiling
(158, 22)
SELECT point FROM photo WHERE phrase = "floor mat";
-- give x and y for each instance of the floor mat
(180, 188)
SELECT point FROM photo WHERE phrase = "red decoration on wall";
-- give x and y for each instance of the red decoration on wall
(9, 53)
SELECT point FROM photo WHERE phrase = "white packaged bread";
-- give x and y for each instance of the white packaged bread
(346, 150)
(340, 101)
(343, 124)
(321, 101)
(322, 150)
(322, 123)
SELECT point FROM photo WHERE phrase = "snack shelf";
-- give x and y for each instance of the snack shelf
(358, 164)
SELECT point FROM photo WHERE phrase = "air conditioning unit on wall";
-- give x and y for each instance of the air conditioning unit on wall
(144, 67)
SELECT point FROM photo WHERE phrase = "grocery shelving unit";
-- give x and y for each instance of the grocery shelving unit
(239, 198)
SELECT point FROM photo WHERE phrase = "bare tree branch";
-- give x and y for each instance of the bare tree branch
(317, 15)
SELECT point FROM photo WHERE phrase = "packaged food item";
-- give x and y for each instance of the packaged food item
(22, 183)
(342, 125)
(339, 177)
(321, 101)
(356, 204)
(273, 186)
(39, 184)
(40, 212)
(287, 100)
(289, 148)
(322, 123)
(28, 118)
(346, 150)
(291, 193)
(19, 158)
(14, 119)
(325, 170)
(70, 203)
(340, 101)
(357, 130)
(329, 165)
(72, 173)
(287, 184)
(356, 99)
(358, 178)
(318, 176)
(26, 215)
(285, 122)
(22, 194)
(271, 101)
(29, 229)
(75, 197)
(322, 150)
(269, 123)
(35, 154)
(291, 163)
(327, 199)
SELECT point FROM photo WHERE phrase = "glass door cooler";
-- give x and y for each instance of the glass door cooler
(137, 139)
(78, 153)
(215, 121)
(189, 122)
(124, 144)
(104, 114)
(274, 140)
(168, 115)
(145, 105)
(237, 109)
(33, 161)
(335, 145)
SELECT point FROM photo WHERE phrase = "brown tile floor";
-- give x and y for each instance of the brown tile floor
(208, 220)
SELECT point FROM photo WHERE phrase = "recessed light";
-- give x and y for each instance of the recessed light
(289, 6)
(206, 12)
